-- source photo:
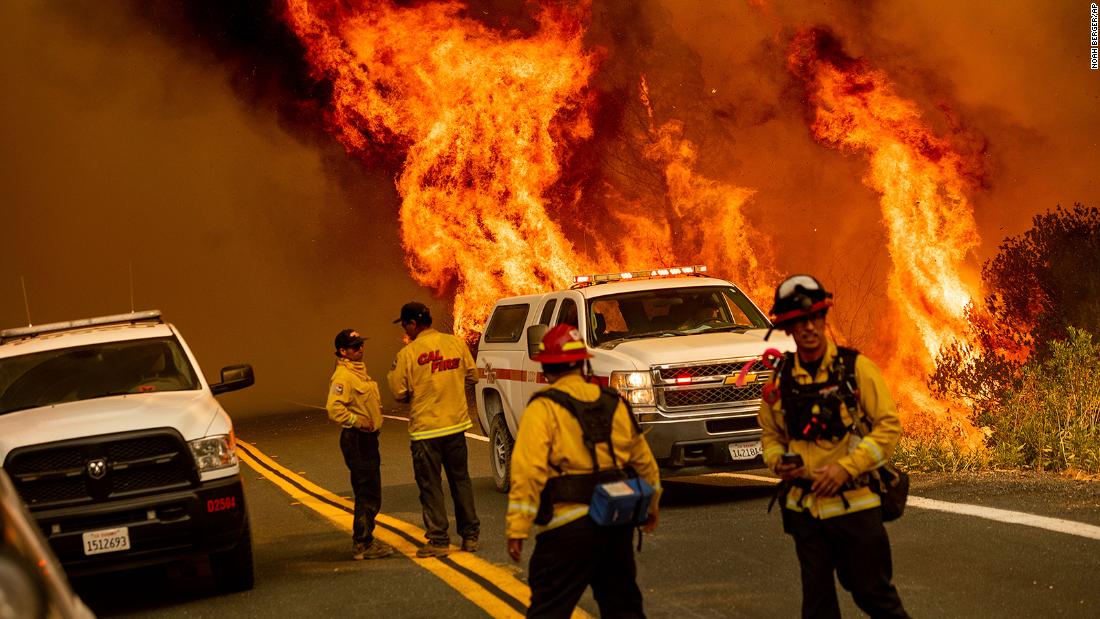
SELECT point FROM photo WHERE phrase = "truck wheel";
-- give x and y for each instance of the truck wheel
(232, 569)
(500, 454)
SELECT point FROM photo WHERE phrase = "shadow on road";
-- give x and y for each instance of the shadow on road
(688, 492)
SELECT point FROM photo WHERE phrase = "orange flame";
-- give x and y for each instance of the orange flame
(482, 118)
(485, 119)
(930, 223)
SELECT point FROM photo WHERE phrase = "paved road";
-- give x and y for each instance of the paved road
(717, 553)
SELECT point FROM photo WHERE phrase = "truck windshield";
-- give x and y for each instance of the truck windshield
(94, 371)
(669, 312)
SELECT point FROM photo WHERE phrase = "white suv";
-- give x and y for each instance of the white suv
(113, 438)
(682, 347)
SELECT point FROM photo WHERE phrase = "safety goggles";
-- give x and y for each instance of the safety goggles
(788, 287)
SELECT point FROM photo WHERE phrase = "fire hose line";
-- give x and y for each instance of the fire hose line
(491, 588)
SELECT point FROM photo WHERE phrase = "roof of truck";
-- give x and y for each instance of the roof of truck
(121, 327)
(621, 286)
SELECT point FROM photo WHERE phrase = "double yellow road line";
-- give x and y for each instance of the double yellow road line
(493, 589)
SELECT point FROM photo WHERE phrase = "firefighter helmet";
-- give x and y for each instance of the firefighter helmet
(561, 344)
(797, 297)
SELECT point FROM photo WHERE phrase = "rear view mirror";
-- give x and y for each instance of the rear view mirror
(234, 377)
(534, 338)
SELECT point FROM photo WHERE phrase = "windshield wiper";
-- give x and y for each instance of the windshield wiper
(729, 328)
(662, 333)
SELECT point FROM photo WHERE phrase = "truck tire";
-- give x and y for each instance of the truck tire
(232, 569)
(500, 454)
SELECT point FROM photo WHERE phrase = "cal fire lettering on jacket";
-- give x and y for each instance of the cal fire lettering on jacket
(439, 364)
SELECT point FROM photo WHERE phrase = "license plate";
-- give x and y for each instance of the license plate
(106, 540)
(745, 451)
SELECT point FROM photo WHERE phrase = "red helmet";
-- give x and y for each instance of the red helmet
(561, 344)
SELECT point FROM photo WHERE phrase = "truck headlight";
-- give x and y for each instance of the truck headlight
(636, 387)
(213, 452)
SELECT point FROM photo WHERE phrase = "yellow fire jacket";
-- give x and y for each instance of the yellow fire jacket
(857, 455)
(549, 436)
(432, 370)
(353, 398)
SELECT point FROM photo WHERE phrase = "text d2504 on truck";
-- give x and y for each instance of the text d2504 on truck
(673, 341)
(113, 438)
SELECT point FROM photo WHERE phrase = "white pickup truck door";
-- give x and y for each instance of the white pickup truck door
(566, 306)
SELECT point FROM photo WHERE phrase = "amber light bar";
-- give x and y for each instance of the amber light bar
(602, 278)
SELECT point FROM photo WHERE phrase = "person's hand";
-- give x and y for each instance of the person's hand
(789, 470)
(829, 479)
(650, 523)
(515, 548)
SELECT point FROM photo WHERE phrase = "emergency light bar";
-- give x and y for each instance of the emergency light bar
(603, 278)
(133, 317)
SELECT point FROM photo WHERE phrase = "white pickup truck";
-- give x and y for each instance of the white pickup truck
(113, 439)
(673, 341)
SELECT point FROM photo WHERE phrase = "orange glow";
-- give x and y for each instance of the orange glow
(929, 221)
(485, 119)
(481, 117)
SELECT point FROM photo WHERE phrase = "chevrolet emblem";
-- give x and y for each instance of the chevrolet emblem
(750, 378)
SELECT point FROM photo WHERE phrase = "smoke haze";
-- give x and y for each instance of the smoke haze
(121, 149)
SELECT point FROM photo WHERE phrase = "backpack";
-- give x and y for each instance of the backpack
(616, 495)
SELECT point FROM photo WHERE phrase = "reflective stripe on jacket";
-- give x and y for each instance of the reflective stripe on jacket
(353, 398)
(550, 440)
(858, 455)
(433, 369)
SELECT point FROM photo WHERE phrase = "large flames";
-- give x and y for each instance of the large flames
(482, 119)
(930, 224)
(487, 117)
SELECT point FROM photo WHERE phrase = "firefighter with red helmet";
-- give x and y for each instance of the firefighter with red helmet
(572, 437)
(828, 423)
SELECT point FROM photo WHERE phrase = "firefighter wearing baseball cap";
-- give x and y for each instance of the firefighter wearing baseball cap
(571, 551)
(828, 421)
(431, 373)
(355, 403)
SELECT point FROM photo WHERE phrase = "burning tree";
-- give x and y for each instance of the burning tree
(1030, 367)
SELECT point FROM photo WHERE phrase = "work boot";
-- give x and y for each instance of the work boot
(469, 544)
(432, 550)
(375, 550)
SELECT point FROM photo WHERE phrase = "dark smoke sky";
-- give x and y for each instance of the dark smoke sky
(136, 133)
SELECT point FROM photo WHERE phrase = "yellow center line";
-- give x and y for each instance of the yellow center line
(470, 589)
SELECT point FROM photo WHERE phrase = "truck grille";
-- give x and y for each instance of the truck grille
(708, 388)
(101, 468)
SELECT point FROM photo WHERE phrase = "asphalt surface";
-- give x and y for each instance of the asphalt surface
(716, 553)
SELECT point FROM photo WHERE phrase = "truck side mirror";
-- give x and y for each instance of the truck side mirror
(534, 338)
(234, 377)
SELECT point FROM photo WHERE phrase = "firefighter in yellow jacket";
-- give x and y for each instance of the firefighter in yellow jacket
(571, 550)
(355, 403)
(431, 373)
(829, 420)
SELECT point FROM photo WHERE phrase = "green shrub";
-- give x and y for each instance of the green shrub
(1051, 420)
(939, 453)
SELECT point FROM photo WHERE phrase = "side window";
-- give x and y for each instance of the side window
(506, 325)
(568, 313)
(547, 312)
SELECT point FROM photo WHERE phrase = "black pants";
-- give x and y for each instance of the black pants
(449, 453)
(571, 557)
(856, 547)
(361, 455)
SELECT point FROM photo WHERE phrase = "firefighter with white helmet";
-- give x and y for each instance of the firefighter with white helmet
(573, 437)
(828, 423)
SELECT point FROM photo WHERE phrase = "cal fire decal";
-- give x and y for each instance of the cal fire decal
(439, 364)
